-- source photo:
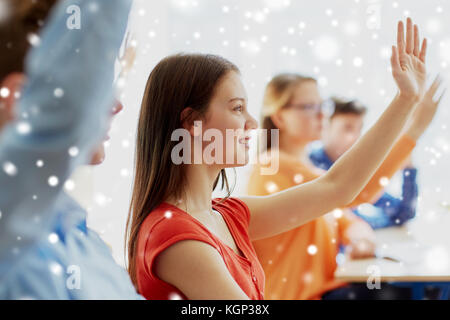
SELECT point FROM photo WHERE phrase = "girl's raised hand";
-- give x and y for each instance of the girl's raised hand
(408, 61)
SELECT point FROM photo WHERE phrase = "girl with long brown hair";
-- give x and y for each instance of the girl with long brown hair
(182, 243)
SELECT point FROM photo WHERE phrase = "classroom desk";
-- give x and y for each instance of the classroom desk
(419, 254)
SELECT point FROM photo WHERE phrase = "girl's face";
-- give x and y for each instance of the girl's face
(228, 117)
(301, 118)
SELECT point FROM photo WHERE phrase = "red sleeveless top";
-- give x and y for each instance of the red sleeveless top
(168, 224)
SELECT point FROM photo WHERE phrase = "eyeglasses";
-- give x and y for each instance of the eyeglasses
(326, 107)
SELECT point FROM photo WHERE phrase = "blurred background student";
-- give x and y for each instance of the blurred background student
(300, 263)
(340, 132)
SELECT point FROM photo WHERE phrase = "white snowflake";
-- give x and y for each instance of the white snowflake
(10, 169)
(39, 163)
(53, 238)
(168, 214)
(271, 187)
(384, 181)
(69, 185)
(337, 213)
(312, 249)
(53, 181)
(34, 39)
(4, 92)
(73, 151)
(58, 93)
(56, 268)
(175, 296)
(23, 128)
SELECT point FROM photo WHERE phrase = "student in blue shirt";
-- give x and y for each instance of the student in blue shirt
(61, 116)
(340, 133)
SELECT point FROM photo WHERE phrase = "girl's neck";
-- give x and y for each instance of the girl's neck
(197, 193)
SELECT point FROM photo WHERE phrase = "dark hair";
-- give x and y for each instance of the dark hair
(25, 17)
(277, 94)
(177, 82)
(342, 106)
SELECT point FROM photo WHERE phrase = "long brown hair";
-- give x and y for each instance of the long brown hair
(177, 82)
(277, 94)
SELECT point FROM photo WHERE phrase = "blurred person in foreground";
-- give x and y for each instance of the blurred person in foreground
(56, 102)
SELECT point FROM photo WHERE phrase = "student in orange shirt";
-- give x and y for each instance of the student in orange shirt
(182, 243)
(300, 263)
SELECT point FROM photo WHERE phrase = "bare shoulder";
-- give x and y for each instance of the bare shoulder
(198, 270)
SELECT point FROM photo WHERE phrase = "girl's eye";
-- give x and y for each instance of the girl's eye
(238, 108)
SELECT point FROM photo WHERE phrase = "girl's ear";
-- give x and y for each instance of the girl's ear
(188, 118)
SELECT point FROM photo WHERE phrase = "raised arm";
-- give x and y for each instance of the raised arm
(64, 105)
(348, 176)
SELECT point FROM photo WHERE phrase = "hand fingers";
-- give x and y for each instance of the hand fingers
(409, 36)
(400, 37)
(423, 52)
(395, 62)
(416, 51)
(434, 86)
(440, 98)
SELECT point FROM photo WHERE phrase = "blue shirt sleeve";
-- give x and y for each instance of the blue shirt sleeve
(65, 104)
(390, 211)
(401, 210)
(320, 159)
(373, 215)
